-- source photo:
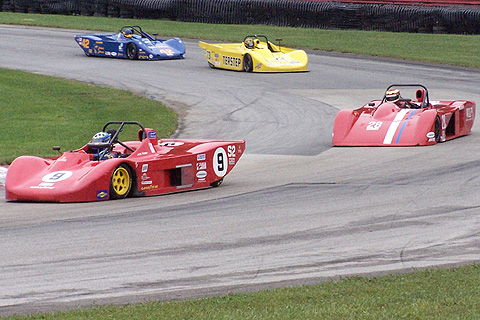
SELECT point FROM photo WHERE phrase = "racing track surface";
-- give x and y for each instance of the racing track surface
(293, 211)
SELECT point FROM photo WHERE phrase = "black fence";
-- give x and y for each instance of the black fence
(310, 14)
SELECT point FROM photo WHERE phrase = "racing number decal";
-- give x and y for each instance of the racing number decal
(86, 43)
(231, 151)
(220, 162)
(374, 125)
(57, 176)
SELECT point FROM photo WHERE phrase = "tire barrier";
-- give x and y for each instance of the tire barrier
(291, 13)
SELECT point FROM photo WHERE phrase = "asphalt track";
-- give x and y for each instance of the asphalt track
(293, 211)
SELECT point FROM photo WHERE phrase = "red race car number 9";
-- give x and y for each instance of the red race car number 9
(57, 176)
(220, 162)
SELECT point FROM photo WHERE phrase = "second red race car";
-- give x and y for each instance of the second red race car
(107, 168)
(399, 121)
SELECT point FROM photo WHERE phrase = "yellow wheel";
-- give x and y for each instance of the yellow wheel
(121, 182)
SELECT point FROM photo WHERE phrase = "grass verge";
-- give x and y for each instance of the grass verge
(42, 111)
(459, 50)
(428, 294)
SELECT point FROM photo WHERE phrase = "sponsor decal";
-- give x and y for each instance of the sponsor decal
(431, 135)
(231, 161)
(150, 56)
(114, 54)
(99, 50)
(258, 66)
(44, 185)
(102, 194)
(145, 167)
(142, 153)
(201, 166)
(469, 113)
(201, 157)
(201, 174)
(152, 135)
(57, 176)
(146, 179)
(172, 144)
(232, 61)
(149, 187)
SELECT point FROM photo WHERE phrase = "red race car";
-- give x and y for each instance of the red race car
(107, 168)
(397, 121)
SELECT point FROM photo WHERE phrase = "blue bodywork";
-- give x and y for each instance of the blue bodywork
(132, 43)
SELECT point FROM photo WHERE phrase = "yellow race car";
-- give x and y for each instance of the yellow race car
(254, 54)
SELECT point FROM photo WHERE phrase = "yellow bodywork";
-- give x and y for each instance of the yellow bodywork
(266, 57)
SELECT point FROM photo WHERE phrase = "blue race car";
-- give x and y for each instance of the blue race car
(132, 43)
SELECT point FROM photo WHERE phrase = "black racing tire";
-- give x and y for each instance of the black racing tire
(216, 183)
(132, 52)
(121, 182)
(437, 129)
(247, 63)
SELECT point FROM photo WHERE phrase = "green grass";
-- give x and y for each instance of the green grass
(428, 294)
(459, 50)
(41, 111)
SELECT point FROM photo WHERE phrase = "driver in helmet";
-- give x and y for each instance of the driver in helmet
(102, 152)
(127, 33)
(249, 44)
(393, 95)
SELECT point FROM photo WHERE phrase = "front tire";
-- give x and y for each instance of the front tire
(216, 183)
(247, 63)
(132, 51)
(120, 182)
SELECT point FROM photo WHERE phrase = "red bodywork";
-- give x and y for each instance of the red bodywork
(157, 167)
(381, 123)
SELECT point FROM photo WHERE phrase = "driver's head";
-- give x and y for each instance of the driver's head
(392, 95)
(101, 137)
(127, 33)
(249, 43)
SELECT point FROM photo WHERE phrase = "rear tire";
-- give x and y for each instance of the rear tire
(132, 51)
(120, 182)
(247, 63)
